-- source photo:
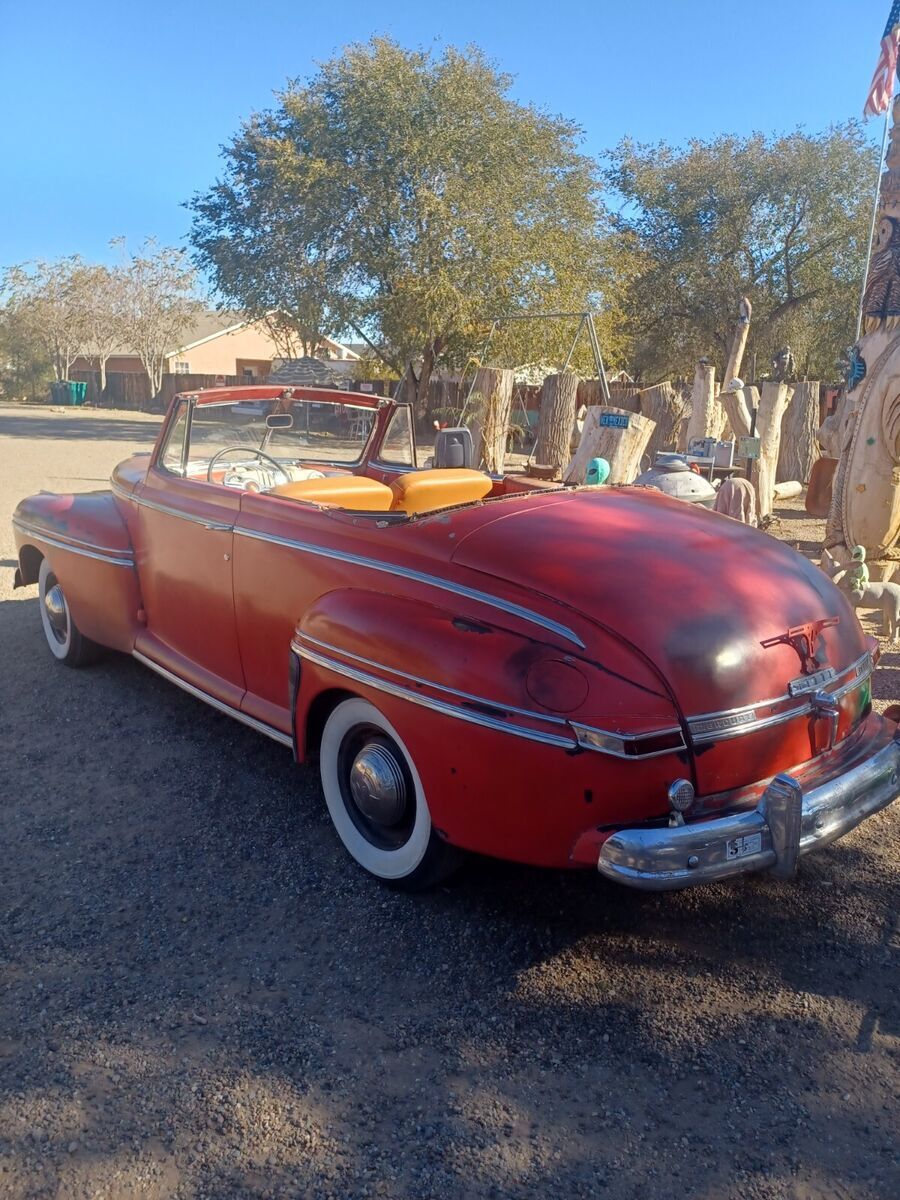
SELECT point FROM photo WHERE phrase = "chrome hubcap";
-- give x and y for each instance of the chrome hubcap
(378, 786)
(57, 613)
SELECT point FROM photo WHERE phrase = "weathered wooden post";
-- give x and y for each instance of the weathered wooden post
(705, 420)
(490, 429)
(799, 444)
(738, 343)
(738, 406)
(662, 405)
(774, 400)
(558, 404)
(615, 434)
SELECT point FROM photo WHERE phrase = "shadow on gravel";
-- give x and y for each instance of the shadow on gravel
(75, 428)
(196, 981)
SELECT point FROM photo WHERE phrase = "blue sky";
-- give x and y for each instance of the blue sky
(112, 114)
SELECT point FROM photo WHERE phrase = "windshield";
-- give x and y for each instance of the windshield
(320, 432)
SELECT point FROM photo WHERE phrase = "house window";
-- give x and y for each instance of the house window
(181, 368)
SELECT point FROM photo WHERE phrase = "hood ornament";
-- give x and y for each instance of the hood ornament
(804, 639)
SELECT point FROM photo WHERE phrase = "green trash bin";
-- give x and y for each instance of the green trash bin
(68, 391)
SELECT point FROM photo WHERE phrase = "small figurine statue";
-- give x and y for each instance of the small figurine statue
(881, 304)
(597, 472)
(856, 368)
(858, 575)
(855, 579)
(783, 365)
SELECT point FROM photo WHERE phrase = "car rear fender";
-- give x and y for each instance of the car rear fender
(493, 720)
(469, 669)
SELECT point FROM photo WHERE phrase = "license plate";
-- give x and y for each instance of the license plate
(740, 847)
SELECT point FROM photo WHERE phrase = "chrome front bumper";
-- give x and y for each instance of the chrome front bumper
(788, 821)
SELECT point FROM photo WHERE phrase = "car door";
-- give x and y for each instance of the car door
(185, 546)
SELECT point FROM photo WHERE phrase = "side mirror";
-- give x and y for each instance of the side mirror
(454, 448)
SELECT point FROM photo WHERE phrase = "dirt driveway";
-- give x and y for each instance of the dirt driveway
(201, 997)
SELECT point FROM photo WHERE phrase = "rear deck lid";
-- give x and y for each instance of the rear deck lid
(739, 624)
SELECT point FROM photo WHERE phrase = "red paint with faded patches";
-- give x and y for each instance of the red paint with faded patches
(490, 635)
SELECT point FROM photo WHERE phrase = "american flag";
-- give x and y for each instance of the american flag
(882, 90)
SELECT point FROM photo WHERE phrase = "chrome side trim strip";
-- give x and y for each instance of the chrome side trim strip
(601, 741)
(751, 725)
(440, 687)
(457, 589)
(120, 491)
(449, 710)
(863, 668)
(507, 606)
(733, 722)
(614, 743)
(115, 558)
(175, 512)
(276, 735)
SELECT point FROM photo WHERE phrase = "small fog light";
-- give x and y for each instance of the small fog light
(681, 795)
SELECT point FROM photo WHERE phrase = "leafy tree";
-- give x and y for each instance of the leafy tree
(50, 297)
(103, 296)
(25, 366)
(406, 196)
(156, 288)
(783, 220)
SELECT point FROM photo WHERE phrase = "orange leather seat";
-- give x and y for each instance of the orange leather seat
(425, 491)
(343, 491)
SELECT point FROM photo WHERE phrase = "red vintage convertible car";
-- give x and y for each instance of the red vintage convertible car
(599, 677)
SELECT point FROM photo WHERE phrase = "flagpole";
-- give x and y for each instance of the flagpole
(875, 207)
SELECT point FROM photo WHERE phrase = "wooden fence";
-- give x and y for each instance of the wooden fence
(131, 389)
(446, 397)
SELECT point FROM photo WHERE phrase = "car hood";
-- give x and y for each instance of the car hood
(696, 593)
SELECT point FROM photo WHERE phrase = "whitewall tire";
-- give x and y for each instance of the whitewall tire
(67, 643)
(376, 800)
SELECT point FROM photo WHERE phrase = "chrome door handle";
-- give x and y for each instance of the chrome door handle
(217, 526)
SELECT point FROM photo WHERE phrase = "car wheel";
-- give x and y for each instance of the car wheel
(66, 641)
(376, 800)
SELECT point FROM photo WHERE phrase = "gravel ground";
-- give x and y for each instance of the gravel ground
(201, 997)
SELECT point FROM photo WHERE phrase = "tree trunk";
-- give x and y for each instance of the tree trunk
(558, 404)
(799, 447)
(622, 448)
(738, 346)
(590, 394)
(738, 408)
(103, 362)
(662, 405)
(705, 418)
(775, 398)
(433, 350)
(423, 383)
(490, 429)
(154, 367)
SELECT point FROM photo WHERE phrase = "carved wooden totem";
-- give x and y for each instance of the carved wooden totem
(865, 506)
